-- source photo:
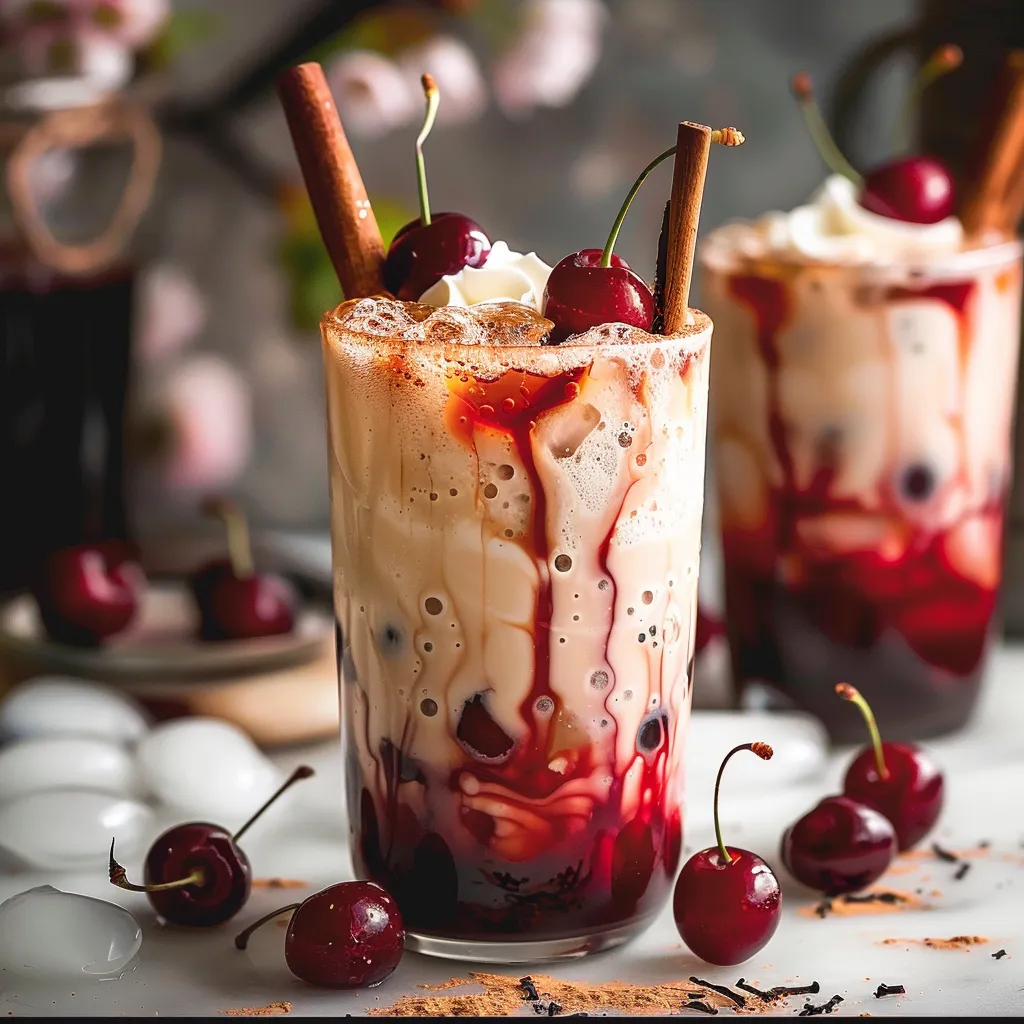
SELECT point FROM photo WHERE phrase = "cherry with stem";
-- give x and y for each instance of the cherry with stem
(349, 935)
(196, 874)
(426, 249)
(727, 902)
(595, 286)
(897, 779)
(915, 189)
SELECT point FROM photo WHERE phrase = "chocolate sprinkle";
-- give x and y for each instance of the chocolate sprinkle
(999, 954)
(765, 997)
(824, 908)
(961, 871)
(950, 858)
(696, 1004)
(810, 1010)
(722, 990)
(795, 990)
(554, 1008)
(875, 897)
(531, 990)
(889, 990)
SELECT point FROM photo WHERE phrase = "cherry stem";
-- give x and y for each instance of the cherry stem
(720, 136)
(433, 96)
(119, 877)
(302, 772)
(242, 938)
(239, 546)
(803, 93)
(847, 692)
(945, 59)
(764, 752)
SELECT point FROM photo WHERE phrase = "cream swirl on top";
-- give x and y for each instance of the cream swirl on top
(834, 227)
(507, 276)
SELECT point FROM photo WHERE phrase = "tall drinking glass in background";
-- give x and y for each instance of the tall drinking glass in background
(516, 533)
(862, 419)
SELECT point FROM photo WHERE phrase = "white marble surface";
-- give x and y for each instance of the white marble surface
(201, 973)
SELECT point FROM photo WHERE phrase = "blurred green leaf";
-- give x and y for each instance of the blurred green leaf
(184, 29)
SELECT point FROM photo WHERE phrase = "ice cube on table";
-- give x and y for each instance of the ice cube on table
(50, 935)
(54, 762)
(62, 706)
(207, 767)
(70, 829)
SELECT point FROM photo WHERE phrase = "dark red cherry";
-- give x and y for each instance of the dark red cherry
(898, 779)
(88, 593)
(349, 935)
(839, 846)
(421, 254)
(234, 601)
(727, 902)
(581, 294)
(915, 189)
(196, 874)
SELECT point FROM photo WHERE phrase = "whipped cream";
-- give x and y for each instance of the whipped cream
(507, 276)
(834, 227)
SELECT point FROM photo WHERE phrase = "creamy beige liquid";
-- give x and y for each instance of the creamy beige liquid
(862, 420)
(516, 533)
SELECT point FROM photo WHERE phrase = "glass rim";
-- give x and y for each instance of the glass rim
(691, 342)
(956, 261)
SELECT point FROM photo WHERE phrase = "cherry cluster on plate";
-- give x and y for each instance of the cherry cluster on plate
(348, 935)
(914, 188)
(892, 797)
(91, 592)
(584, 290)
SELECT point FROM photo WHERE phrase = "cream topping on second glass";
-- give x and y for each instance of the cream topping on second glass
(507, 276)
(834, 227)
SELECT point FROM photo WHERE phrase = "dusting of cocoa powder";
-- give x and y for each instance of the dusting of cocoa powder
(871, 901)
(963, 942)
(270, 1010)
(503, 995)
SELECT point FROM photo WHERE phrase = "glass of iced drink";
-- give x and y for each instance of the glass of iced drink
(864, 381)
(516, 531)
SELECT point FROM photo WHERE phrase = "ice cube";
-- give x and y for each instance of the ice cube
(207, 767)
(50, 935)
(67, 829)
(62, 706)
(53, 762)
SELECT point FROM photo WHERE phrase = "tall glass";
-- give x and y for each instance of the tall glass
(862, 419)
(516, 533)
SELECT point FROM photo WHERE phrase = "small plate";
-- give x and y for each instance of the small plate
(160, 645)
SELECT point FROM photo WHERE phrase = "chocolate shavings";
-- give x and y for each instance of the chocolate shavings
(950, 858)
(824, 908)
(810, 1010)
(961, 871)
(529, 988)
(875, 897)
(696, 1004)
(722, 990)
(765, 997)
(999, 954)
(889, 990)
(781, 991)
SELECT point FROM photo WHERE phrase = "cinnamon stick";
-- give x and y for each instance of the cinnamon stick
(693, 144)
(995, 200)
(343, 211)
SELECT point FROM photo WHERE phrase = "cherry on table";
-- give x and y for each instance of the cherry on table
(594, 286)
(428, 248)
(839, 846)
(89, 592)
(234, 601)
(349, 935)
(897, 779)
(196, 874)
(727, 901)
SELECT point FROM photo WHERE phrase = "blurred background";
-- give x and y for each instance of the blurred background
(549, 109)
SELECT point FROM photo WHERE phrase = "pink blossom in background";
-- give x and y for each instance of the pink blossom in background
(457, 72)
(135, 23)
(208, 405)
(171, 312)
(552, 56)
(372, 93)
(94, 55)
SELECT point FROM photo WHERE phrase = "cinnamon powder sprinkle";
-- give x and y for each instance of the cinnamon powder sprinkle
(873, 901)
(270, 1010)
(503, 995)
(280, 883)
(963, 942)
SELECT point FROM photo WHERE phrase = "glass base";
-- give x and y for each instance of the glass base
(497, 951)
